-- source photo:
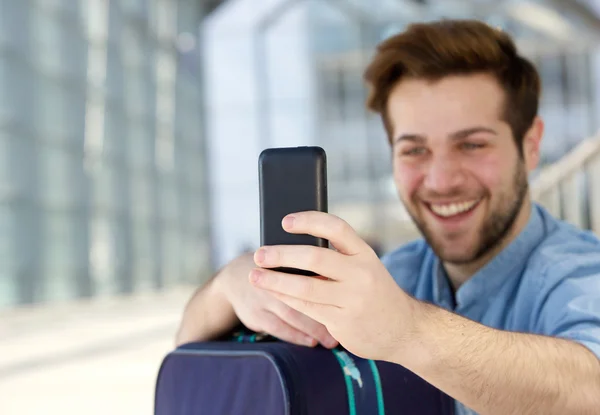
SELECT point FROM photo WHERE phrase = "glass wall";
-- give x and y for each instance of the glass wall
(102, 184)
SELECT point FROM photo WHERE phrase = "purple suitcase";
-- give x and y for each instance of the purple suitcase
(276, 378)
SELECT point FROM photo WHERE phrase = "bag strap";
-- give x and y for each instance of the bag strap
(378, 387)
(364, 392)
(347, 370)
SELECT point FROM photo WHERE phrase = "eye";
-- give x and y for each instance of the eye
(471, 146)
(414, 151)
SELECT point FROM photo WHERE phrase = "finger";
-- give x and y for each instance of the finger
(318, 312)
(321, 261)
(278, 328)
(313, 290)
(304, 324)
(325, 225)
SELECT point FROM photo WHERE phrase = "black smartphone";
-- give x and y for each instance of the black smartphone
(291, 179)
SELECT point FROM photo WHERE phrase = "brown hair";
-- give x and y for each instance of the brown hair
(434, 50)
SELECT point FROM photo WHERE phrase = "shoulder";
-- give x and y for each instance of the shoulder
(563, 274)
(565, 266)
(565, 251)
(406, 263)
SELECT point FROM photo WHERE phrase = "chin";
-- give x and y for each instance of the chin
(458, 251)
(457, 258)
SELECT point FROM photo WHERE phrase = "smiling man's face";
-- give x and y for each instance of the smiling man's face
(457, 168)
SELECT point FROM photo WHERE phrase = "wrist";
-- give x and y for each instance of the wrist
(208, 314)
(415, 351)
(218, 287)
(219, 315)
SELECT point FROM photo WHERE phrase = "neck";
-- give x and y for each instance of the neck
(458, 274)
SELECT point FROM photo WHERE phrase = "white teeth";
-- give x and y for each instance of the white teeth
(453, 208)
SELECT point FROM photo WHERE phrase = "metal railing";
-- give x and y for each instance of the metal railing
(570, 187)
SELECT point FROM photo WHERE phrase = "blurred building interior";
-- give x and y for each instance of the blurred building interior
(129, 137)
(131, 129)
(103, 179)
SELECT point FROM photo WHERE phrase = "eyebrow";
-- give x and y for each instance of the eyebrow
(457, 135)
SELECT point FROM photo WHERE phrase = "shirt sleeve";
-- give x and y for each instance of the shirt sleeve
(570, 303)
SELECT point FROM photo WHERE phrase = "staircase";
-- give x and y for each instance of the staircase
(570, 188)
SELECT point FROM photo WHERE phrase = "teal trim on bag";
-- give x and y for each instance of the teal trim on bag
(380, 401)
(349, 388)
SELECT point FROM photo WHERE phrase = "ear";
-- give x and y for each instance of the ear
(532, 143)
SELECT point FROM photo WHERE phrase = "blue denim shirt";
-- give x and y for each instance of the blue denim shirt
(546, 281)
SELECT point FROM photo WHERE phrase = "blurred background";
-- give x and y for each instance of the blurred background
(129, 138)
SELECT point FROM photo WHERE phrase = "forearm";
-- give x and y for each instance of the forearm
(499, 372)
(207, 315)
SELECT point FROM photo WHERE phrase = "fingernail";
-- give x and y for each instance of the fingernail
(260, 255)
(310, 342)
(255, 275)
(288, 222)
(330, 343)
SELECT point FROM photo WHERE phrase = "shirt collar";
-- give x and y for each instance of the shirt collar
(503, 268)
(442, 292)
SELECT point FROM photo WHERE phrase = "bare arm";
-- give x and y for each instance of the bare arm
(207, 315)
(499, 372)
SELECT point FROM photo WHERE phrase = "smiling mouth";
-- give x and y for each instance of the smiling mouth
(449, 210)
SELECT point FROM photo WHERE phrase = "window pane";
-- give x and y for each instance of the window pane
(60, 176)
(143, 255)
(141, 144)
(8, 289)
(141, 200)
(59, 255)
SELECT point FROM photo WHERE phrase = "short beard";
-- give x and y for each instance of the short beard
(494, 229)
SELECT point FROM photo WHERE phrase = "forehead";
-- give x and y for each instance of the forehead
(440, 107)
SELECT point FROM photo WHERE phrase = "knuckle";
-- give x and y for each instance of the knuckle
(288, 314)
(283, 331)
(306, 288)
(295, 336)
(269, 279)
(313, 257)
(312, 327)
(320, 332)
(272, 326)
(276, 255)
(306, 256)
(368, 276)
(253, 325)
(370, 279)
(341, 227)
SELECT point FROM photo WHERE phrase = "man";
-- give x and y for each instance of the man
(499, 305)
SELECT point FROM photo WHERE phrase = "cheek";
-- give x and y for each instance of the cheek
(407, 178)
(491, 172)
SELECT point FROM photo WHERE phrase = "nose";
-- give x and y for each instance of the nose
(444, 175)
